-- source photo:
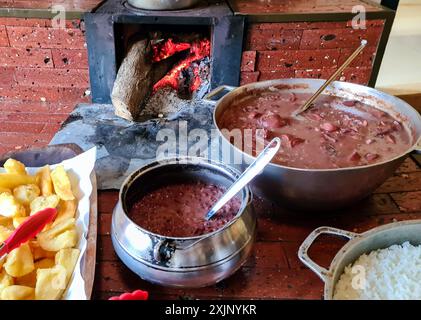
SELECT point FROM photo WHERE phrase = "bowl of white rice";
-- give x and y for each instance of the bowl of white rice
(383, 263)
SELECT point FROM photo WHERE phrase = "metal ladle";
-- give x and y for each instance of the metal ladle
(310, 101)
(252, 170)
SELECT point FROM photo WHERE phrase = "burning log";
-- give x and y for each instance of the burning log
(198, 51)
(149, 67)
(133, 82)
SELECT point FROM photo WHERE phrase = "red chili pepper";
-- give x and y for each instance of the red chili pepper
(135, 295)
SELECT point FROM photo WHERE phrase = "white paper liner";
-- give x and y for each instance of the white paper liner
(79, 170)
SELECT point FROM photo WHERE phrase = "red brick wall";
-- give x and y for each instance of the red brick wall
(43, 75)
(307, 50)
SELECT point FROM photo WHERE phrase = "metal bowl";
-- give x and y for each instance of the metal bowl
(162, 4)
(377, 238)
(321, 189)
(182, 262)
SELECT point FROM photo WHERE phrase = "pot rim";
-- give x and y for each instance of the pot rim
(247, 196)
(415, 146)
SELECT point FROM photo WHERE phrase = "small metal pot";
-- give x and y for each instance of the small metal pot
(182, 262)
(378, 238)
(162, 4)
(321, 189)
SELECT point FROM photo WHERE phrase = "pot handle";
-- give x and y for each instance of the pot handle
(308, 242)
(216, 94)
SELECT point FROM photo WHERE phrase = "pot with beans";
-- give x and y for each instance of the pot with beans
(337, 152)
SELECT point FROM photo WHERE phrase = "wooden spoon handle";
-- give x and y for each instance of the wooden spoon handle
(332, 77)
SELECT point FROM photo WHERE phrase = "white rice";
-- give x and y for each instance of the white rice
(393, 273)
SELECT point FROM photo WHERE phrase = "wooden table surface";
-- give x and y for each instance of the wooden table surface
(273, 271)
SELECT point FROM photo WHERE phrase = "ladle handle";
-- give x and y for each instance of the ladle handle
(332, 77)
(254, 169)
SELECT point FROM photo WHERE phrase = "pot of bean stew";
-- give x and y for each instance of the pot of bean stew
(159, 228)
(335, 153)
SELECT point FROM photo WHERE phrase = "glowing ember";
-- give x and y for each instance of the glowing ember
(198, 50)
(164, 50)
(196, 80)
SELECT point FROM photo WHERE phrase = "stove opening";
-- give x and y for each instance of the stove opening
(161, 69)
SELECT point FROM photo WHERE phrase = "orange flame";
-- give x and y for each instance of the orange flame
(162, 51)
(198, 50)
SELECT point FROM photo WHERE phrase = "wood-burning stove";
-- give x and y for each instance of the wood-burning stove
(107, 28)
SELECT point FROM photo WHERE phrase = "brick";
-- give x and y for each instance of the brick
(297, 59)
(276, 26)
(4, 41)
(29, 57)
(314, 73)
(402, 183)
(37, 117)
(275, 60)
(271, 75)
(53, 77)
(34, 22)
(279, 227)
(273, 39)
(49, 94)
(248, 77)
(25, 22)
(299, 25)
(52, 128)
(314, 59)
(105, 249)
(273, 284)
(115, 276)
(375, 205)
(408, 201)
(107, 200)
(18, 126)
(46, 37)
(244, 284)
(365, 58)
(408, 165)
(360, 75)
(267, 255)
(327, 25)
(5, 149)
(63, 107)
(21, 139)
(10, 106)
(248, 61)
(70, 59)
(104, 224)
(321, 252)
(369, 23)
(339, 38)
(7, 76)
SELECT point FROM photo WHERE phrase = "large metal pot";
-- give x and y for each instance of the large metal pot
(162, 4)
(322, 189)
(182, 262)
(378, 238)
